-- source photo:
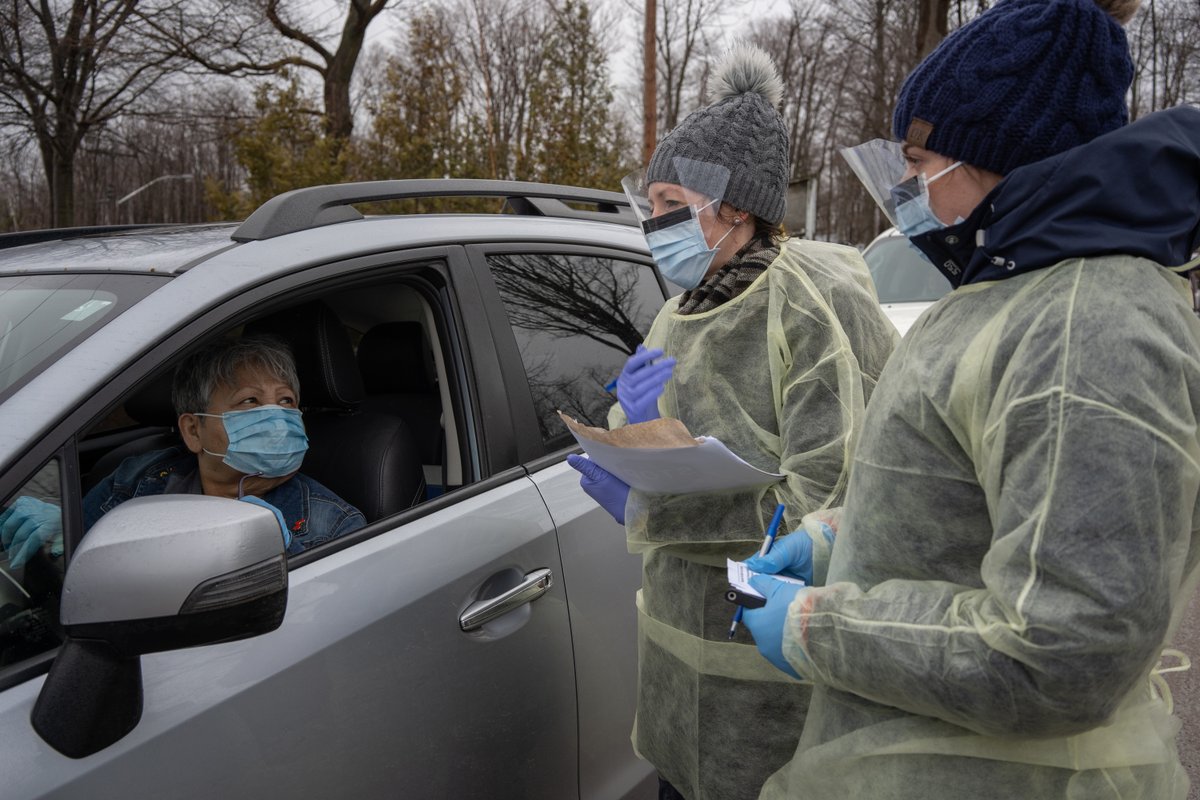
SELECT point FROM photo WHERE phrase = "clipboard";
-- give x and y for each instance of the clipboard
(662, 456)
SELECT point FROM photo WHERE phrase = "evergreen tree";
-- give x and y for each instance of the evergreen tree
(579, 141)
(283, 147)
(420, 126)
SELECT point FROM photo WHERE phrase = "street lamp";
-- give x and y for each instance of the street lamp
(145, 186)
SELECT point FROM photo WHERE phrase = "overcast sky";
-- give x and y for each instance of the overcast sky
(625, 33)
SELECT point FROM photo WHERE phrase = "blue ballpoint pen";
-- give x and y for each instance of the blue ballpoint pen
(768, 540)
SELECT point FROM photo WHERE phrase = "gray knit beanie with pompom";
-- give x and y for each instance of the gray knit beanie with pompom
(741, 131)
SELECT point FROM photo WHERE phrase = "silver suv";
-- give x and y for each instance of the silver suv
(475, 639)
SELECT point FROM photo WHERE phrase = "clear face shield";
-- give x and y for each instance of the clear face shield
(674, 215)
(881, 167)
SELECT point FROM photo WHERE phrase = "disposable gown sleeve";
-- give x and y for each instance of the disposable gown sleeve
(821, 526)
(817, 397)
(1092, 496)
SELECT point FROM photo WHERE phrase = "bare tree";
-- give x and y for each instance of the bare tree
(233, 37)
(1165, 41)
(68, 68)
(932, 25)
(503, 48)
(682, 43)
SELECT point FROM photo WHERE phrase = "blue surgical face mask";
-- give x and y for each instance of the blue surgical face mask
(267, 440)
(678, 246)
(911, 201)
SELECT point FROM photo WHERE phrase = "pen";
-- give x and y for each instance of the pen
(608, 387)
(768, 540)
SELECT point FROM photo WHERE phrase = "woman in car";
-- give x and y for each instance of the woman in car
(774, 349)
(239, 418)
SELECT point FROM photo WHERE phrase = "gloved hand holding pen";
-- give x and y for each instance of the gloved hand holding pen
(791, 555)
(641, 383)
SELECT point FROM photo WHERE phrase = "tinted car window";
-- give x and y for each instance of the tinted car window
(576, 319)
(901, 274)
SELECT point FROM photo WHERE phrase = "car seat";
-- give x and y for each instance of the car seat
(150, 406)
(399, 378)
(368, 458)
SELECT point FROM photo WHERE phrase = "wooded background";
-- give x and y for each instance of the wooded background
(120, 111)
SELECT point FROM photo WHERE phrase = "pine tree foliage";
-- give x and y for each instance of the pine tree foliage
(282, 147)
(578, 141)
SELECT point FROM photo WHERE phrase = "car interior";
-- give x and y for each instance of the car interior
(378, 411)
(373, 390)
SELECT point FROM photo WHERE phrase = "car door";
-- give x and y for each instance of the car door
(370, 687)
(575, 314)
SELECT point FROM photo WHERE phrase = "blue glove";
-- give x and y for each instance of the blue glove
(28, 524)
(766, 624)
(602, 486)
(791, 555)
(641, 382)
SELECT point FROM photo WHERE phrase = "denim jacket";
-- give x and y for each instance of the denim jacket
(311, 512)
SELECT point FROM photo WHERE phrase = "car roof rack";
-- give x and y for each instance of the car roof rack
(315, 206)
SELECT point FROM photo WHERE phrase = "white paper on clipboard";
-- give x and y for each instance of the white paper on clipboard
(684, 464)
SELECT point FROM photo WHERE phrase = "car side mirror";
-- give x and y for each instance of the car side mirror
(155, 573)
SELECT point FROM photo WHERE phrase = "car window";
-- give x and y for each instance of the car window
(371, 380)
(576, 319)
(902, 274)
(31, 525)
(42, 314)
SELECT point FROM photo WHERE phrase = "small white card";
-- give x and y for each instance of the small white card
(739, 576)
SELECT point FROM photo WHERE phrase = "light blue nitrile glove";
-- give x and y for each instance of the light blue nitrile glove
(641, 382)
(28, 524)
(791, 555)
(766, 624)
(602, 486)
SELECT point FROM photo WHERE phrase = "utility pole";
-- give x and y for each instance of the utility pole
(649, 83)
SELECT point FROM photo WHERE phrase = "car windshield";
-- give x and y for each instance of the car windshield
(901, 274)
(42, 315)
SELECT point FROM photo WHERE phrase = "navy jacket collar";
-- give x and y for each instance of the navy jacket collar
(1134, 191)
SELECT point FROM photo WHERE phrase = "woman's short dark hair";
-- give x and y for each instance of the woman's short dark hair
(198, 375)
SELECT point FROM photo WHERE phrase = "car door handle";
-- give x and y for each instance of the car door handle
(479, 614)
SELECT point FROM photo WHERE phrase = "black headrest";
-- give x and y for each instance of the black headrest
(151, 404)
(324, 354)
(393, 358)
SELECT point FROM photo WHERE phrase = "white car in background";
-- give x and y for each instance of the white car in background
(905, 280)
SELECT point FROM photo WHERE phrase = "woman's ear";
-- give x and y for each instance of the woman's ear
(189, 430)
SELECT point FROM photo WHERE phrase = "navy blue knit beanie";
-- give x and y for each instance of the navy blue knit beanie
(1023, 81)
